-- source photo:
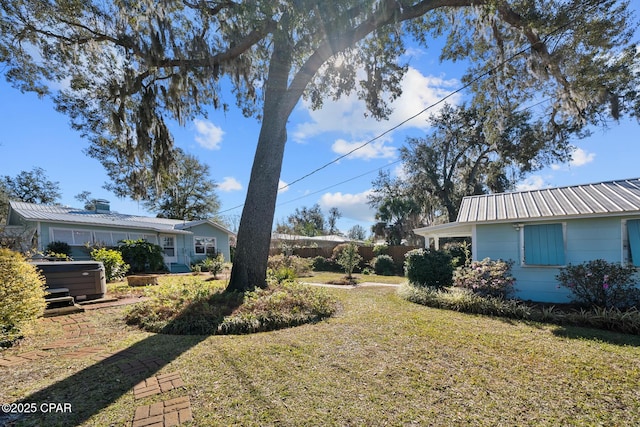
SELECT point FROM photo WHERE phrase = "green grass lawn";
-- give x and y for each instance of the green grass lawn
(328, 277)
(380, 361)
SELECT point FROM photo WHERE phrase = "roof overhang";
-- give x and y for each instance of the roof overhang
(452, 229)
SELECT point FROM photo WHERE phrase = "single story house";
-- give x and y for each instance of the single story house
(543, 230)
(183, 242)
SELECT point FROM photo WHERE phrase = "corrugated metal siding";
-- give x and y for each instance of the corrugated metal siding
(592, 199)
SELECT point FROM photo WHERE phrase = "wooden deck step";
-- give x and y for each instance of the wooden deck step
(57, 291)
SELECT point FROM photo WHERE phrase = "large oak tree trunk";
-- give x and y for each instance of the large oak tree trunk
(254, 233)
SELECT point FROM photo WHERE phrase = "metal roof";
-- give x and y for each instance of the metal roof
(65, 214)
(603, 198)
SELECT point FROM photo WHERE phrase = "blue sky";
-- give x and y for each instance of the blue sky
(35, 135)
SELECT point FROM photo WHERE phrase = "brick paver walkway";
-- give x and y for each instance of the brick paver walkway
(76, 328)
(84, 352)
(141, 365)
(157, 384)
(163, 414)
(22, 358)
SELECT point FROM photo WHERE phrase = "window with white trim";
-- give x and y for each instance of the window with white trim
(544, 244)
(169, 246)
(204, 245)
(71, 237)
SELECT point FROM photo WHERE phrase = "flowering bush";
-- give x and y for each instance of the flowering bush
(599, 283)
(486, 278)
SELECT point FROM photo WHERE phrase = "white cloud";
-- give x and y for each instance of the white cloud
(352, 206)
(208, 135)
(282, 184)
(374, 150)
(579, 157)
(535, 182)
(347, 114)
(229, 183)
(400, 172)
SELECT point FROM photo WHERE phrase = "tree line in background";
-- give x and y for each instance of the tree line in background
(188, 192)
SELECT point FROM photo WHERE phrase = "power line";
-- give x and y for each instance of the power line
(391, 129)
(340, 183)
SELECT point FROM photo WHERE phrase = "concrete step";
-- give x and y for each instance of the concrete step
(59, 301)
(179, 268)
(60, 311)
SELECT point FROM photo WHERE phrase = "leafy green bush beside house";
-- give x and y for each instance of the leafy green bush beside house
(114, 266)
(59, 250)
(430, 268)
(142, 256)
(22, 292)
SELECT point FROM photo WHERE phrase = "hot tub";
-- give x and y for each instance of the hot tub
(84, 279)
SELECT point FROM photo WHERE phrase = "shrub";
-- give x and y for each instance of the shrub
(459, 251)
(300, 266)
(599, 283)
(214, 265)
(486, 278)
(382, 249)
(426, 267)
(465, 301)
(349, 258)
(321, 263)
(52, 256)
(22, 295)
(281, 274)
(57, 248)
(142, 255)
(383, 265)
(114, 266)
(204, 308)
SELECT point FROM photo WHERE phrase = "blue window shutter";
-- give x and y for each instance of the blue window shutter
(633, 229)
(543, 244)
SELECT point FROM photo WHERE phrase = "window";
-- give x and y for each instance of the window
(633, 233)
(168, 244)
(151, 238)
(72, 237)
(117, 237)
(104, 238)
(544, 244)
(204, 245)
(62, 235)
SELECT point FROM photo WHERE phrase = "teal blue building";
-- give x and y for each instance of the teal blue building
(544, 230)
(183, 242)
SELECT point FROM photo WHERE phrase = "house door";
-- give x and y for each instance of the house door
(168, 244)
